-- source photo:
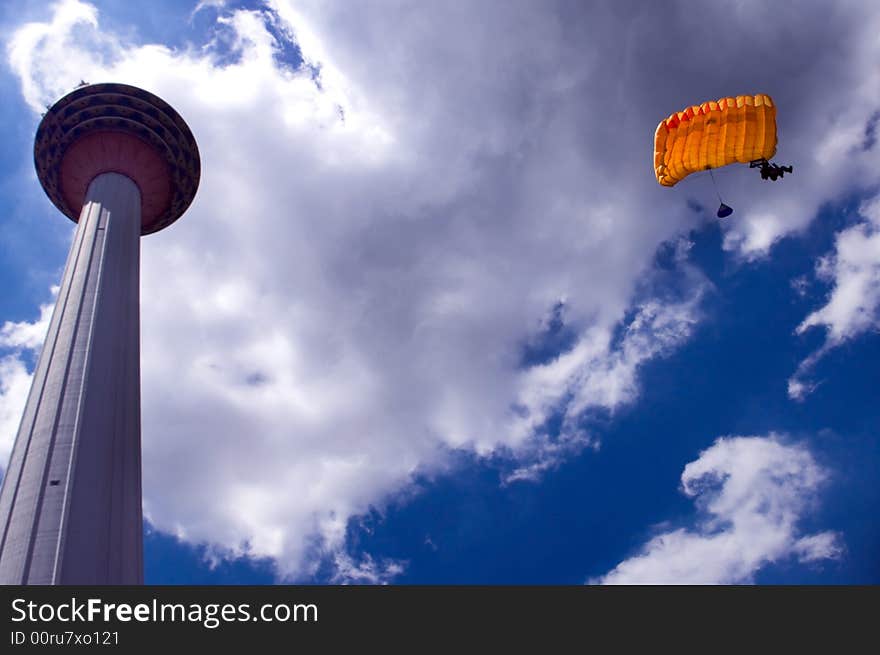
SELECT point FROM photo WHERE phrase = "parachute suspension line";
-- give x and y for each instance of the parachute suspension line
(723, 210)
(715, 184)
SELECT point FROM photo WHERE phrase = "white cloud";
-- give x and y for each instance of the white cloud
(799, 389)
(800, 285)
(347, 299)
(596, 373)
(751, 493)
(853, 306)
(27, 335)
(367, 571)
(15, 379)
(15, 382)
(205, 4)
(68, 49)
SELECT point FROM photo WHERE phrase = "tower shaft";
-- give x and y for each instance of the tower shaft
(70, 505)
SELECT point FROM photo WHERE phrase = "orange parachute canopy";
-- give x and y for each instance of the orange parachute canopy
(713, 134)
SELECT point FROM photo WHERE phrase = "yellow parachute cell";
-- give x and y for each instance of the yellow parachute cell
(713, 134)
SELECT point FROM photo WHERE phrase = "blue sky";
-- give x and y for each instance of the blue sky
(431, 319)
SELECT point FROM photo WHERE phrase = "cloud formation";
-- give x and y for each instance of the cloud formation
(750, 493)
(599, 372)
(367, 571)
(853, 306)
(18, 342)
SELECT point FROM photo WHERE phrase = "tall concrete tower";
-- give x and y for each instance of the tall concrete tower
(121, 163)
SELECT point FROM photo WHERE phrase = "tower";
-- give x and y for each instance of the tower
(121, 163)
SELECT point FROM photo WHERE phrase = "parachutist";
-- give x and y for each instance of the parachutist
(770, 171)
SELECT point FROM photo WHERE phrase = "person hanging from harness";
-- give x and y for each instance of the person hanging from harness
(770, 171)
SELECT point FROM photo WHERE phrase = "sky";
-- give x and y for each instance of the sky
(430, 319)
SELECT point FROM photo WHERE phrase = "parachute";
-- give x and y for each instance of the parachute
(714, 134)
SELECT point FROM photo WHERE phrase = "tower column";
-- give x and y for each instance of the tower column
(121, 163)
(70, 506)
